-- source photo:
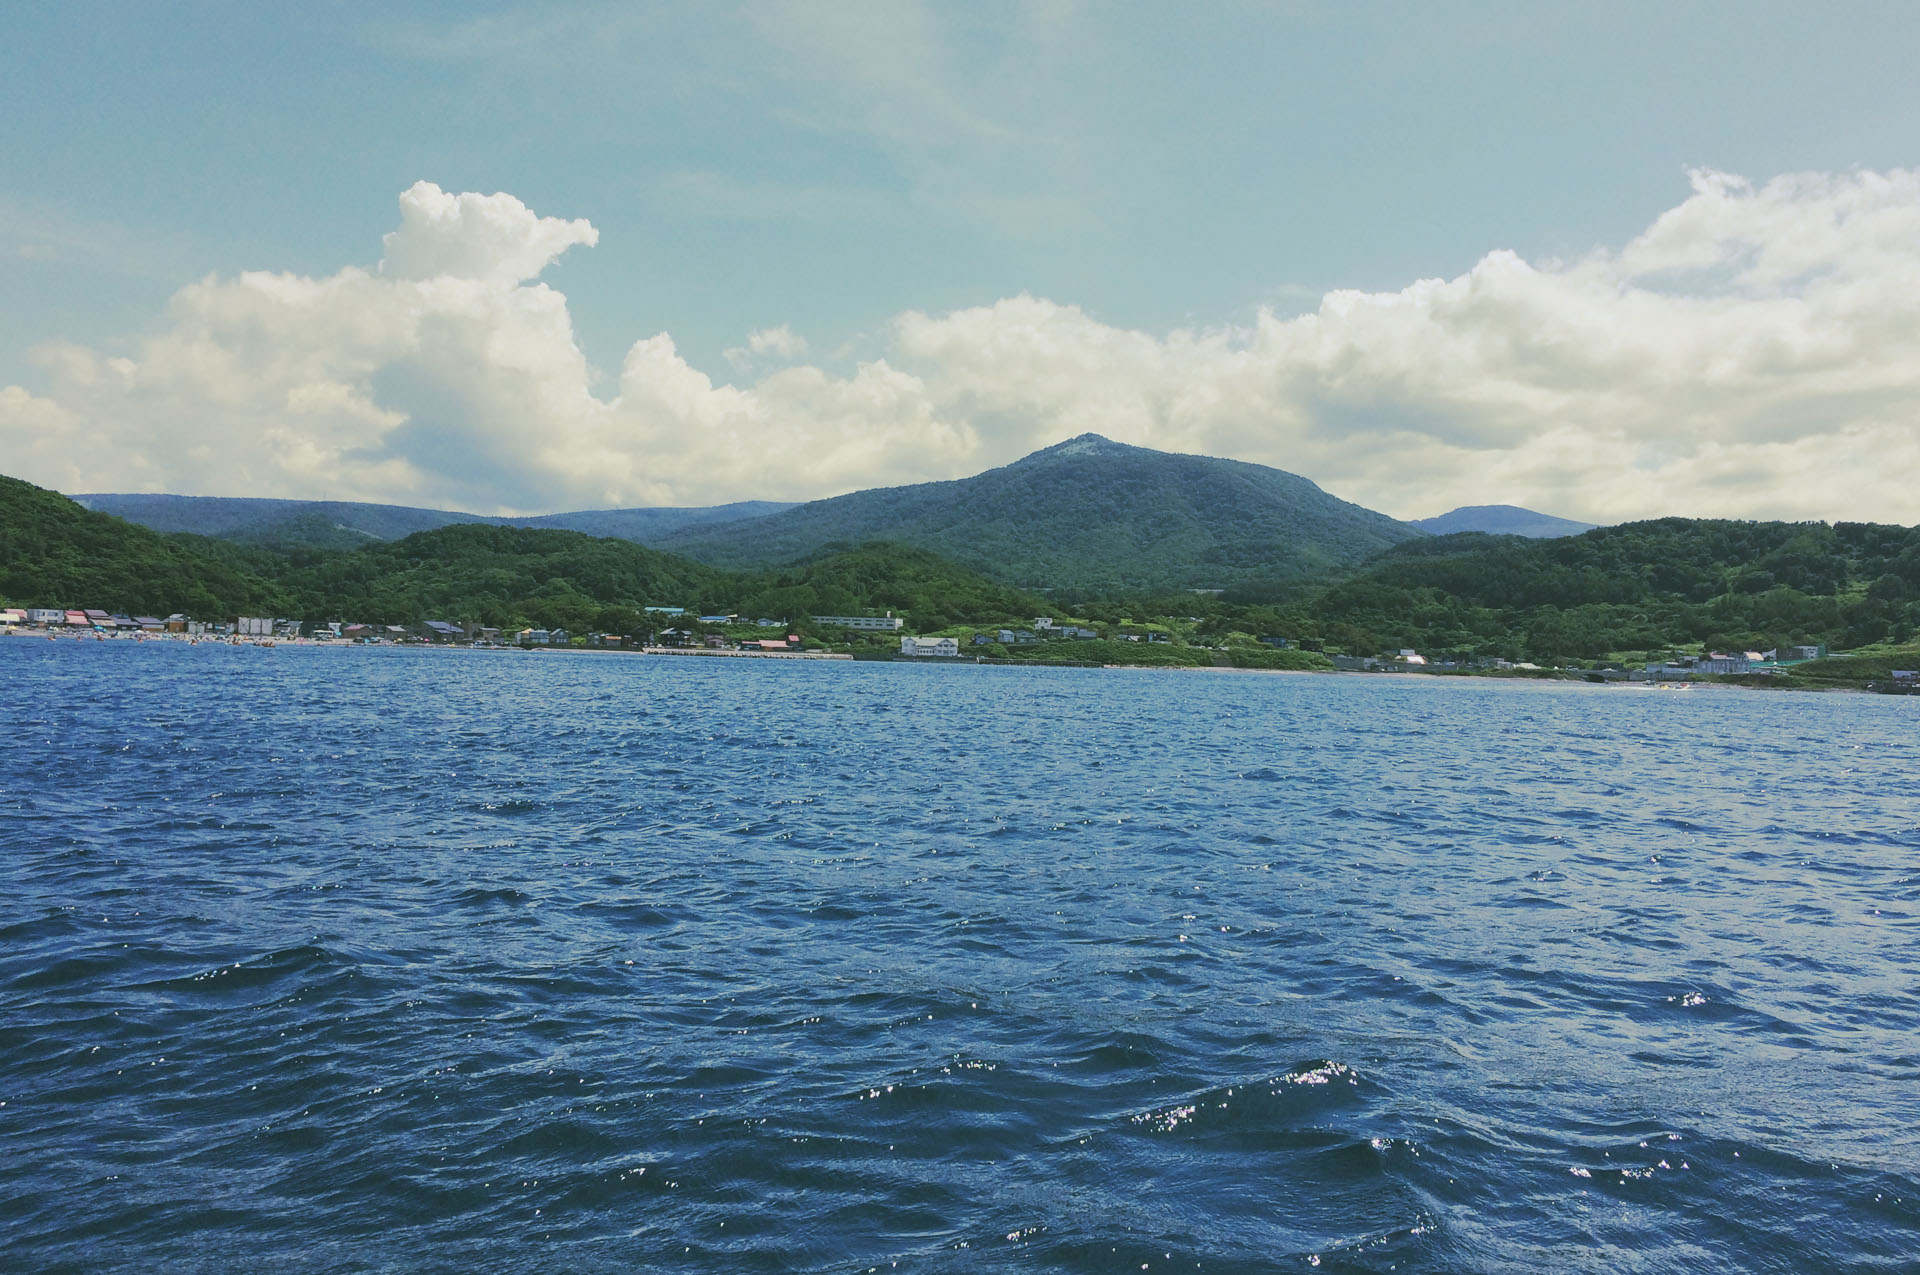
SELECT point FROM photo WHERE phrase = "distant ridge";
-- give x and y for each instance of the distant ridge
(340, 523)
(1088, 514)
(1502, 520)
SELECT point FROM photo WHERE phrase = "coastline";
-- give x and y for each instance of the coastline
(1573, 677)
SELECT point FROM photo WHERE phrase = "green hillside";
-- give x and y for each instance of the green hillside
(1635, 587)
(502, 576)
(928, 591)
(54, 553)
(1087, 515)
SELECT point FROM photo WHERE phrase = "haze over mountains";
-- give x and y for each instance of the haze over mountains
(1502, 520)
(265, 521)
(1086, 514)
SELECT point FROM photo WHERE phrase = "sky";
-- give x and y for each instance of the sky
(1608, 262)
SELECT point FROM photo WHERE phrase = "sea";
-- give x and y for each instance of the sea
(371, 960)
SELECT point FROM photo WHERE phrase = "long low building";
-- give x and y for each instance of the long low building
(869, 623)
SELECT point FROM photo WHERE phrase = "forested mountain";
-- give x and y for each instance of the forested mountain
(1501, 520)
(1089, 515)
(54, 553)
(1613, 591)
(345, 523)
(1635, 587)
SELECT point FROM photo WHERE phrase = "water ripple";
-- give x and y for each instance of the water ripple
(396, 961)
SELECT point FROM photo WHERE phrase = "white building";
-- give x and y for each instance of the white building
(918, 646)
(868, 623)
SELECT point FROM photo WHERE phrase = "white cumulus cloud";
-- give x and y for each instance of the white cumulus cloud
(1749, 354)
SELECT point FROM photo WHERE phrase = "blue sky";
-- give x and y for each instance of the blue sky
(821, 171)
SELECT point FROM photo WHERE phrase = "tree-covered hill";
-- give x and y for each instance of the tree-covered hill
(930, 592)
(502, 576)
(1638, 586)
(1088, 515)
(54, 553)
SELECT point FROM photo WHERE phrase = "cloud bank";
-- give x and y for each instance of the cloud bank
(1751, 354)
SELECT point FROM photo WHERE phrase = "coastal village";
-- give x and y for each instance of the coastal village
(683, 633)
(679, 632)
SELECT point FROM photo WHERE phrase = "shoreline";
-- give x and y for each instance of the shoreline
(1569, 678)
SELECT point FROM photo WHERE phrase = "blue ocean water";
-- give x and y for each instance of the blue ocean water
(384, 960)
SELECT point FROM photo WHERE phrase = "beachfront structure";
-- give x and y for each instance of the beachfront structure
(888, 623)
(11, 616)
(921, 646)
(46, 615)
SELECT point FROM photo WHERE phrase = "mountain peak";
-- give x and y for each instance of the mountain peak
(1085, 445)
